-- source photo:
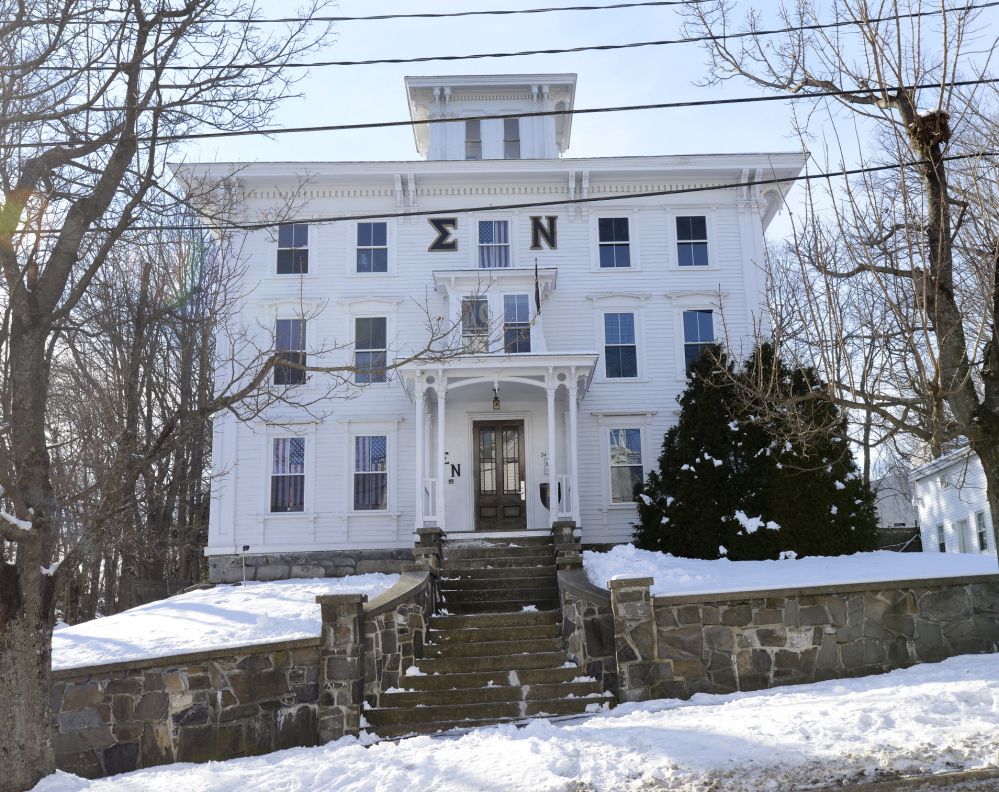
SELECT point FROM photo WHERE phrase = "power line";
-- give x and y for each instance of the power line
(538, 204)
(530, 114)
(376, 18)
(523, 53)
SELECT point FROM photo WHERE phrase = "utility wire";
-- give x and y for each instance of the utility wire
(562, 51)
(530, 114)
(538, 204)
(377, 18)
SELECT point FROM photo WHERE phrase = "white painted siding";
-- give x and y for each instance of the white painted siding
(951, 493)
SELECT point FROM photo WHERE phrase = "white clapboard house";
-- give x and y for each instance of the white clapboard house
(572, 399)
(951, 496)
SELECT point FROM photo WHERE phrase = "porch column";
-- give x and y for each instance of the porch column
(552, 469)
(420, 452)
(441, 399)
(574, 448)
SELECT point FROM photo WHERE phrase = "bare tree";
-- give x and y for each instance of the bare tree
(893, 271)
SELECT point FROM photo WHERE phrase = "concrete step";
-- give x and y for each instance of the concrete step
(492, 648)
(457, 540)
(481, 679)
(518, 633)
(452, 573)
(528, 594)
(483, 620)
(445, 715)
(465, 665)
(492, 694)
(391, 732)
(502, 560)
(511, 581)
(499, 606)
(484, 550)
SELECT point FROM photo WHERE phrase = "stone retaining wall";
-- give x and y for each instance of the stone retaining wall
(676, 646)
(195, 707)
(588, 627)
(312, 564)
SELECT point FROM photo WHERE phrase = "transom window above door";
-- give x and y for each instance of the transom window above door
(494, 244)
(372, 247)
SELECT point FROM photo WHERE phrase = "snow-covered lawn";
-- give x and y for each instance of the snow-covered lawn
(243, 615)
(695, 576)
(930, 718)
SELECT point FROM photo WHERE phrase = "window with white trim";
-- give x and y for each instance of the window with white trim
(614, 241)
(370, 472)
(511, 138)
(372, 247)
(370, 349)
(961, 529)
(289, 343)
(473, 140)
(288, 474)
(620, 346)
(941, 539)
(692, 241)
(516, 323)
(627, 472)
(494, 244)
(983, 536)
(475, 325)
(293, 249)
(698, 335)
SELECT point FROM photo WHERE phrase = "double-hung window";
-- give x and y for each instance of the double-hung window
(475, 325)
(511, 138)
(293, 249)
(370, 349)
(983, 536)
(372, 247)
(288, 474)
(370, 473)
(698, 335)
(627, 473)
(692, 241)
(941, 539)
(614, 242)
(516, 323)
(289, 343)
(473, 140)
(494, 244)
(620, 346)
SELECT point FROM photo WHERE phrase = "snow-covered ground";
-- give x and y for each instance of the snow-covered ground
(930, 718)
(243, 615)
(695, 576)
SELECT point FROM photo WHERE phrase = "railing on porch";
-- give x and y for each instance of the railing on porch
(563, 509)
(429, 499)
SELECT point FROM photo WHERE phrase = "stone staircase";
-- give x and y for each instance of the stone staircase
(495, 653)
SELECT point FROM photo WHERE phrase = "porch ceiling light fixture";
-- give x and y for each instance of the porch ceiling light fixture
(496, 401)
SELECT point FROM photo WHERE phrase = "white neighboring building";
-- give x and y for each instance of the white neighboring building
(951, 497)
(574, 399)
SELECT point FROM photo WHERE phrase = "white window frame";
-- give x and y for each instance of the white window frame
(694, 300)
(531, 314)
(386, 350)
(607, 421)
(272, 432)
(371, 308)
(941, 538)
(351, 250)
(363, 428)
(710, 214)
(982, 529)
(620, 302)
(473, 233)
(304, 351)
(354, 472)
(634, 240)
(312, 247)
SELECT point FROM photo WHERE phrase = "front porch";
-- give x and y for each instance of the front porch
(497, 440)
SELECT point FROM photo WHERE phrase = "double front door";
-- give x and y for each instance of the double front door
(500, 488)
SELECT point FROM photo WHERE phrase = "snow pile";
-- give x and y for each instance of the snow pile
(243, 615)
(695, 576)
(929, 718)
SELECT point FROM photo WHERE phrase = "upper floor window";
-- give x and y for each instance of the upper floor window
(475, 325)
(370, 473)
(516, 323)
(289, 343)
(288, 474)
(370, 349)
(692, 241)
(627, 473)
(511, 138)
(620, 346)
(698, 335)
(615, 250)
(293, 249)
(941, 540)
(473, 140)
(983, 536)
(372, 247)
(494, 243)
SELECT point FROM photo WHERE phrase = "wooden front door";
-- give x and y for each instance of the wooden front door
(500, 488)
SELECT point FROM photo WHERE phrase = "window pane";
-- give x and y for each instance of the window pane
(487, 461)
(516, 308)
(698, 327)
(612, 229)
(615, 256)
(511, 460)
(691, 228)
(621, 361)
(511, 129)
(619, 328)
(692, 254)
(290, 335)
(287, 493)
(626, 483)
(372, 259)
(626, 446)
(293, 262)
(494, 243)
(475, 315)
(516, 339)
(472, 130)
(370, 332)
(370, 453)
(286, 236)
(370, 367)
(290, 375)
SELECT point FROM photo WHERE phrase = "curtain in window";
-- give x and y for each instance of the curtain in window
(288, 475)
(494, 244)
(370, 473)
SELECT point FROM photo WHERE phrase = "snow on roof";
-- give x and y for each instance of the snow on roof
(225, 616)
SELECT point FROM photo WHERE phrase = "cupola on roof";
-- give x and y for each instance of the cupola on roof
(462, 97)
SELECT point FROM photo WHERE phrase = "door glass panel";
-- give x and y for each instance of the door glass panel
(511, 459)
(487, 460)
